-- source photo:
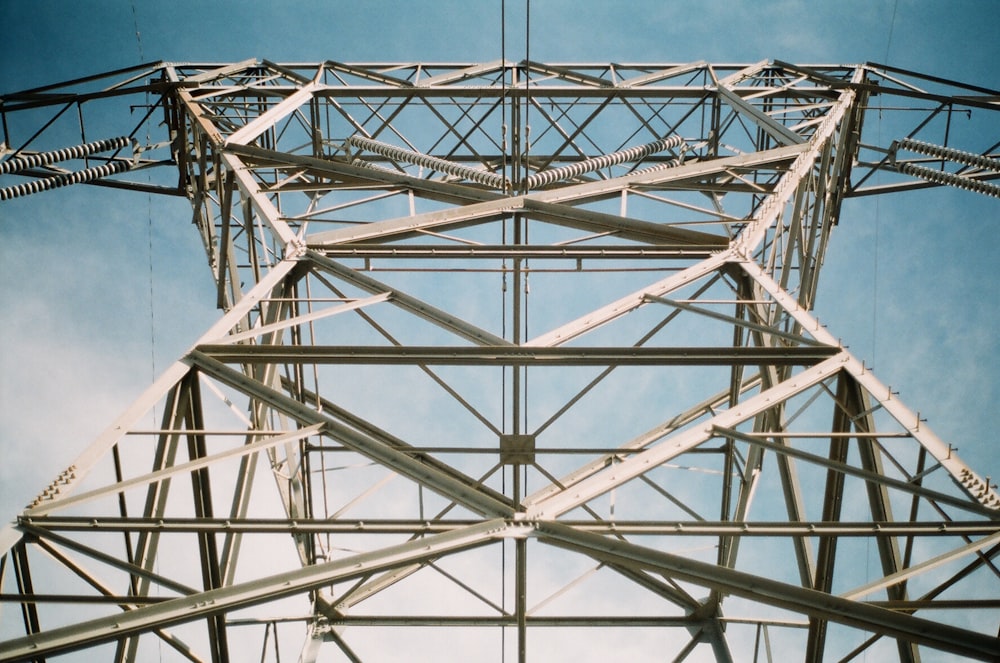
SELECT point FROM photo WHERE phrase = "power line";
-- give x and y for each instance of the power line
(138, 35)
(892, 25)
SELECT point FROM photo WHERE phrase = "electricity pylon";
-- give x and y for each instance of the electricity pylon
(516, 362)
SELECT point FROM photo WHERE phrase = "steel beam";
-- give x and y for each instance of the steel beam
(422, 469)
(262, 151)
(508, 355)
(771, 592)
(174, 469)
(628, 303)
(877, 479)
(276, 113)
(412, 304)
(254, 592)
(778, 131)
(533, 252)
(899, 576)
(737, 528)
(603, 481)
(572, 193)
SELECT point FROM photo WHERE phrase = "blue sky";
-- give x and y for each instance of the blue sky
(102, 289)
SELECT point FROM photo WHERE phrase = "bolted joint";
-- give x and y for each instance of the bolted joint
(517, 449)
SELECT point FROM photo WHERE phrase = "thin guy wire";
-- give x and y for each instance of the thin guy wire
(885, 60)
(527, 153)
(149, 249)
(503, 306)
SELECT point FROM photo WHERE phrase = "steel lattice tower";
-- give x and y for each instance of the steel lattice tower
(517, 362)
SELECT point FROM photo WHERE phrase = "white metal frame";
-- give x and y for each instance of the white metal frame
(671, 221)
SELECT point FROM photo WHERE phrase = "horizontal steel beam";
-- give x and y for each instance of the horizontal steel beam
(505, 355)
(540, 93)
(946, 604)
(825, 80)
(510, 620)
(425, 526)
(97, 599)
(532, 251)
(571, 91)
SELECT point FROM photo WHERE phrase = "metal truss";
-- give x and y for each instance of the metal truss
(516, 361)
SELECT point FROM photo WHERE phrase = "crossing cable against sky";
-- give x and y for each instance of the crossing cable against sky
(503, 301)
(892, 24)
(885, 60)
(503, 225)
(527, 93)
(149, 250)
(527, 159)
(875, 275)
(149, 222)
(138, 35)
